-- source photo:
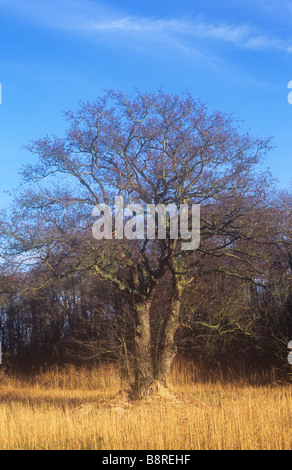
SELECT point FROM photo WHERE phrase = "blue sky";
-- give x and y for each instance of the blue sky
(234, 55)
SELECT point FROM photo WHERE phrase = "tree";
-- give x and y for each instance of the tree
(149, 148)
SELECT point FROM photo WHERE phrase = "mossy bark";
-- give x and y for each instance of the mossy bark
(147, 374)
(169, 350)
(144, 376)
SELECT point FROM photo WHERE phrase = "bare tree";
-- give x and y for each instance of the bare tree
(150, 148)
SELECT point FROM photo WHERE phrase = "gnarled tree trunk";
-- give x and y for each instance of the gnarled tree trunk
(149, 379)
(169, 349)
(144, 375)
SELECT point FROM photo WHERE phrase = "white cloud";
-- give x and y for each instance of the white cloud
(95, 19)
(189, 32)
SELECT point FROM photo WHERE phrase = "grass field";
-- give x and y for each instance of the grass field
(81, 409)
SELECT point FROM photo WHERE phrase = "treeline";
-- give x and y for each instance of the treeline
(82, 318)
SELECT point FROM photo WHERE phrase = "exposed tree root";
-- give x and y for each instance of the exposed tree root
(155, 390)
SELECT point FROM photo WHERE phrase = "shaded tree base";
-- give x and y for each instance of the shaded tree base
(153, 390)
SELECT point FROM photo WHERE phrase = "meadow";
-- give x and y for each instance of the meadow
(80, 409)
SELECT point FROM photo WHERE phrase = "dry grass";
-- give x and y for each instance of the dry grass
(81, 409)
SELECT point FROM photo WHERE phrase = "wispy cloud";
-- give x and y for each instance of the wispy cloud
(95, 19)
(241, 36)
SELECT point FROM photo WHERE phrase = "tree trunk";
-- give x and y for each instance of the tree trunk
(144, 376)
(146, 381)
(169, 349)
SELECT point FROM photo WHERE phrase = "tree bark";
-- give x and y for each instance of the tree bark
(169, 349)
(144, 375)
(149, 378)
